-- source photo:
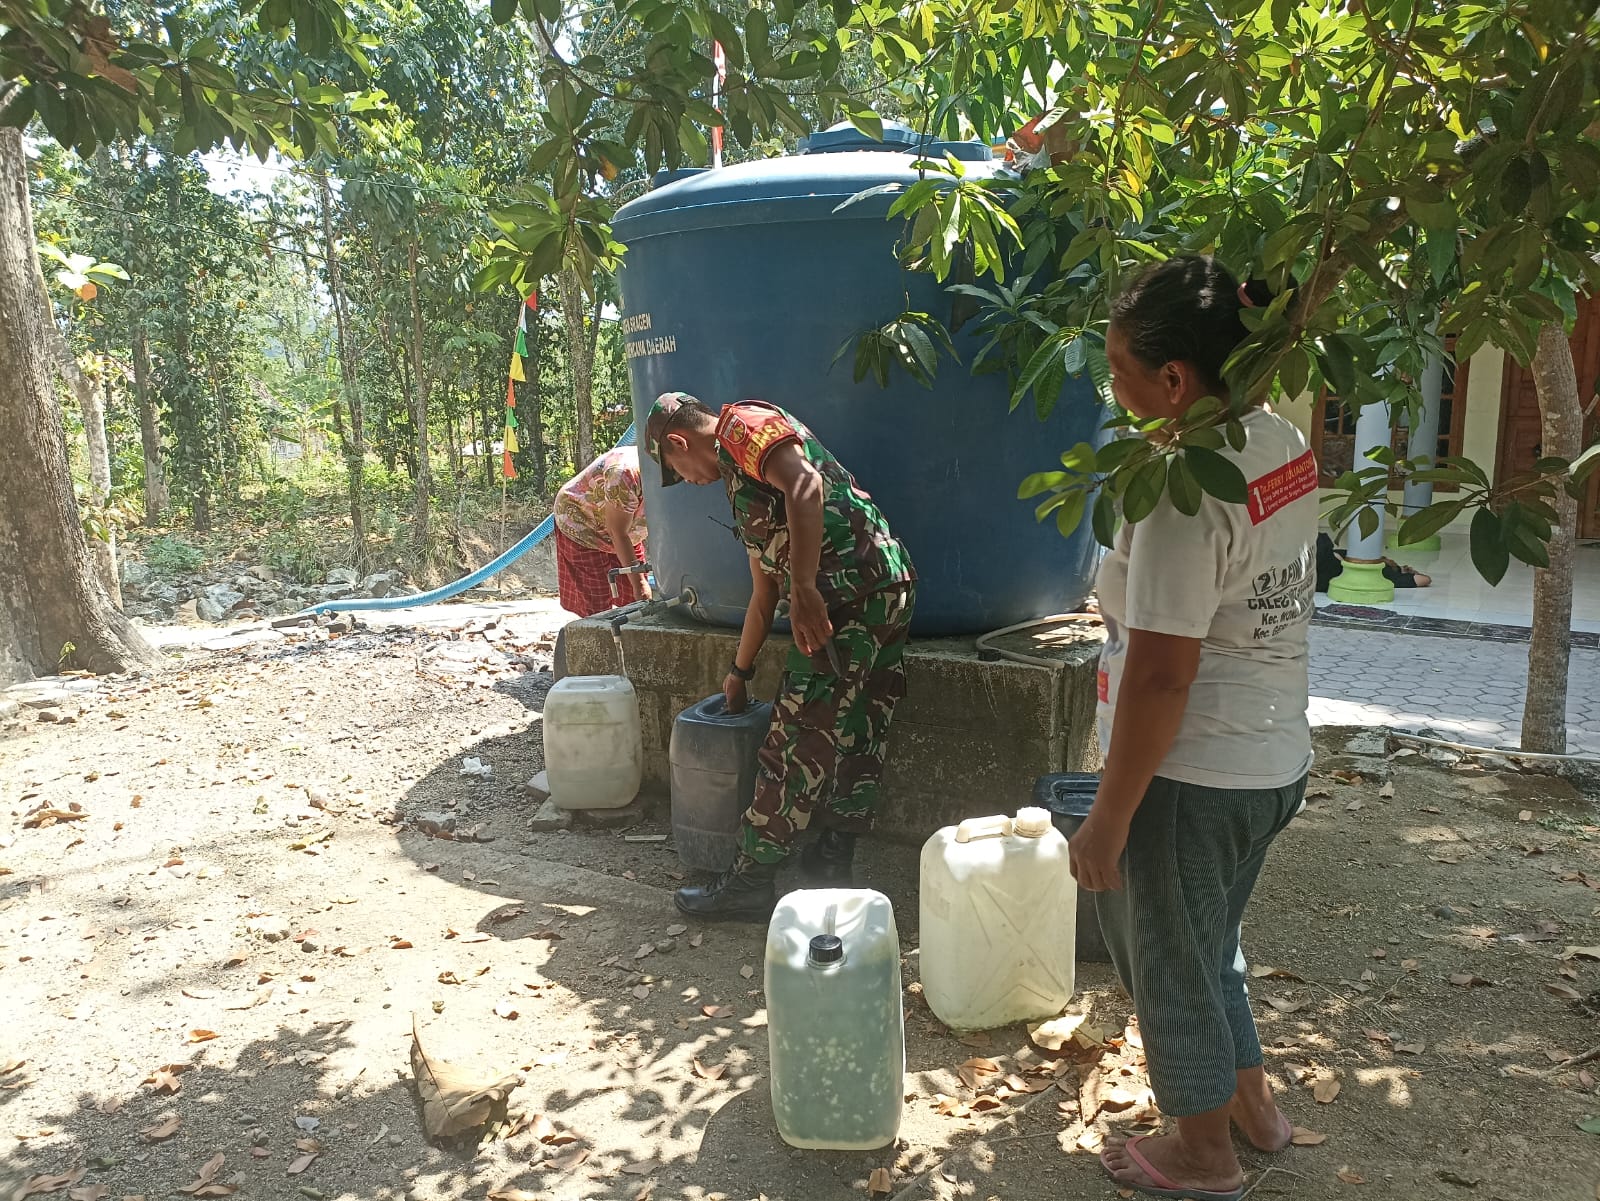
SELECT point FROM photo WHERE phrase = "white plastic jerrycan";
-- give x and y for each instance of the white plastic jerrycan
(593, 753)
(834, 1019)
(999, 914)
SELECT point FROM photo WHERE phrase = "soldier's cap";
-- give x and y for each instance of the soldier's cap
(663, 413)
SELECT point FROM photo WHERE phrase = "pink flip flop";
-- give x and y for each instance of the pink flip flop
(1159, 1185)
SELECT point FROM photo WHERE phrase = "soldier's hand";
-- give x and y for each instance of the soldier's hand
(734, 696)
(808, 618)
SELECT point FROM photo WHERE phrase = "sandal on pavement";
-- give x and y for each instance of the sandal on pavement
(1159, 1185)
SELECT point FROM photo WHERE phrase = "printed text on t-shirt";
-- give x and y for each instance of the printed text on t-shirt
(1284, 486)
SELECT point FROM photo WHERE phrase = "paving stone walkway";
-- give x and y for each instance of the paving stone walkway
(1466, 689)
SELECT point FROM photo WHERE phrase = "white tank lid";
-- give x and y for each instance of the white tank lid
(1031, 823)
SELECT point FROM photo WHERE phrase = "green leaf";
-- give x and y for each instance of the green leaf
(1522, 538)
(867, 121)
(1145, 486)
(1118, 452)
(1218, 475)
(1516, 186)
(1590, 1125)
(1184, 489)
(1070, 515)
(1586, 463)
(1425, 523)
(1489, 553)
(1081, 458)
(1040, 481)
(1106, 518)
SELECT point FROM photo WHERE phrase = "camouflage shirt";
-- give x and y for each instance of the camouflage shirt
(859, 554)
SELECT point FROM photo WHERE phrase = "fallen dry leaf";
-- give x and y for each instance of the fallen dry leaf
(453, 1100)
(1263, 972)
(35, 1186)
(974, 1072)
(880, 1183)
(1468, 980)
(206, 1183)
(47, 816)
(301, 1163)
(202, 1036)
(716, 1011)
(641, 992)
(1307, 1138)
(89, 1192)
(696, 940)
(747, 971)
(565, 1163)
(1386, 792)
(1564, 991)
(1410, 1048)
(1346, 1176)
(515, 1194)
(165, 1078)
(1325, 1091)
(642, 1167)
(713, 1072)
(1580, 953)
(1285, 1005)
(163, 1129)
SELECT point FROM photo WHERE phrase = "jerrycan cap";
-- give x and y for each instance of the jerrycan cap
(1031, 823)
(826, 949)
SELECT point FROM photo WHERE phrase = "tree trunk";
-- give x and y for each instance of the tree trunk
(156, 499)
(1544, 714)
(386, 445)
(353, 444)
(580, 355)
(103, 551)
(53, 611)
(419, 416)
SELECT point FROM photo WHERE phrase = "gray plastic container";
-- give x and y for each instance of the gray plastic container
(1068, 796)
(713, 757)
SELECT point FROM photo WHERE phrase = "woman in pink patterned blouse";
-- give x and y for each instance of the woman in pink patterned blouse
(600, 525)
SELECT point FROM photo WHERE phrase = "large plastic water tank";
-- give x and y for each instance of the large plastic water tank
(742, 283)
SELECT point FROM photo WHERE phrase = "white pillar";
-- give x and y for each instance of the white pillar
(1361, 582)
(1373, 432)
(1424, 440)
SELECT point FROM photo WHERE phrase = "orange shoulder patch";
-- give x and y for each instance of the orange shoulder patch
(749, 433)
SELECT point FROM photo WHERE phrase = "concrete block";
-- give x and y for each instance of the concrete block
(969, 739)
(608, 819)
(548, 817)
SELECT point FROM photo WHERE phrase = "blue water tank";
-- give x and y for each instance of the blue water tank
(743, 283)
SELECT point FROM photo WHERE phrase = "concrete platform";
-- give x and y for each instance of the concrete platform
(968, 740)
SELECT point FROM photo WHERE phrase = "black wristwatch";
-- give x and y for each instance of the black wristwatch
(741, 673)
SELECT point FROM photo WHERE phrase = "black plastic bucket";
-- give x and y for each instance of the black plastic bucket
(1068, 796)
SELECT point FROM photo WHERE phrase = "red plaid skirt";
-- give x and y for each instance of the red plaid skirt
(585, 574)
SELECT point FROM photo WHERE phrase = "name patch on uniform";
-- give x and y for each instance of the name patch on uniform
(749, 434)
(1282, 487)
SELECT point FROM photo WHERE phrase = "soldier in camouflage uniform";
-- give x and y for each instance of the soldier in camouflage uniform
(816, 539)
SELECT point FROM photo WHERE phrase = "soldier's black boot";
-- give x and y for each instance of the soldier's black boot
(827, 862)
(743, 893)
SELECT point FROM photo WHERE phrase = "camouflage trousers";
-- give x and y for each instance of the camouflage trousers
(825, 746)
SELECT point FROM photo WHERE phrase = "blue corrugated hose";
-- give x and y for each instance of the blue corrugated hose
(540, 532)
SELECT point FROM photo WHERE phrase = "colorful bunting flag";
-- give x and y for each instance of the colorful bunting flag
(515, 376)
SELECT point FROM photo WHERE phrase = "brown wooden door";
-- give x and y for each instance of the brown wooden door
(1520, 428)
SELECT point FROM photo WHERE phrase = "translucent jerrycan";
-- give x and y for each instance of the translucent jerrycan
(713, 757)
(593, 753)
(834, 1019)
(998, 914)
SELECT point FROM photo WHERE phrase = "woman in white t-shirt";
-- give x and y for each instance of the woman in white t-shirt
(1203, 716)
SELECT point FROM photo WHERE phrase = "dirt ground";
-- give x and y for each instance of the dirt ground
(221, 942)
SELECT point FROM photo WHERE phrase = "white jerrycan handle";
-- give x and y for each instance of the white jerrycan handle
(998, 826)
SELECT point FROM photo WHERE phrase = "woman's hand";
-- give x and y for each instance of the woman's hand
(1096, 850)
(734, 694)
